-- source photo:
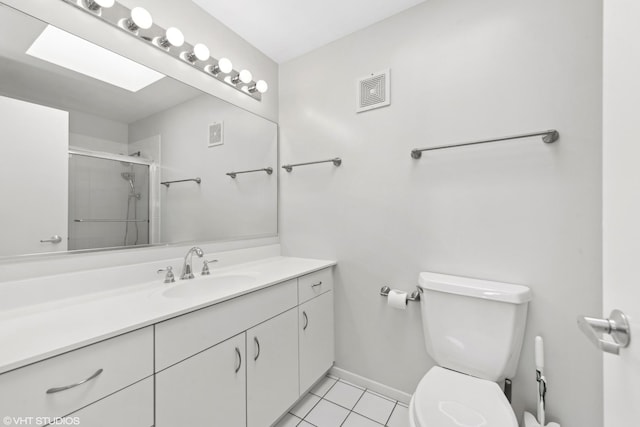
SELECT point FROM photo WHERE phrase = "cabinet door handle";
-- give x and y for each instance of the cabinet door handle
(67, 387)
(306, 320)
(52, 239)
(317, 284)
(255, 339)
(239, 359)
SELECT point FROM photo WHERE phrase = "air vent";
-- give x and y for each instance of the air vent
(216, 134)
(374, 91)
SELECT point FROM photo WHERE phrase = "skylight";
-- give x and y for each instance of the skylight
(66, 50)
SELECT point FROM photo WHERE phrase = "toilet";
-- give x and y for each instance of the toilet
(473, 329)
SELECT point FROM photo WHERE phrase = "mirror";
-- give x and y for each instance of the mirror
(100, 152)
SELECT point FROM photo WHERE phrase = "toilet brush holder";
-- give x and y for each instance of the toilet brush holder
(531, 421)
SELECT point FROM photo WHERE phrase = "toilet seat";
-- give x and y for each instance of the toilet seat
(446, 398)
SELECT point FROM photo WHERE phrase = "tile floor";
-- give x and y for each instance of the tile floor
(336, 403)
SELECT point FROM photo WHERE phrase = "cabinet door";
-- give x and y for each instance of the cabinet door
(316, 339)
(272, 368)
(207, 389)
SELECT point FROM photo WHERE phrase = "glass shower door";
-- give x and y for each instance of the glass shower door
(108, 202)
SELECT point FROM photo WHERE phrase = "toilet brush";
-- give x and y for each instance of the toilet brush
(530, 420)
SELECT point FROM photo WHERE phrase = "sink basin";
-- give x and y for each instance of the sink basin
(205, 285)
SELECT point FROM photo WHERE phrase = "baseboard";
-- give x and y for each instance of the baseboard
(374, 386)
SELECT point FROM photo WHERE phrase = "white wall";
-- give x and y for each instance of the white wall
(521, 212)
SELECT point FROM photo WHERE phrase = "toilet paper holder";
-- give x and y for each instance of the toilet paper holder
(414, 296)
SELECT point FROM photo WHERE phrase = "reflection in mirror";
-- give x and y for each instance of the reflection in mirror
(88, 137)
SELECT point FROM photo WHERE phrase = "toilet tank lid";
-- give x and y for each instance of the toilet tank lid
(476, 288)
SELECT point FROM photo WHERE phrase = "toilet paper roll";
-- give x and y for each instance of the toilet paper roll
(397, 299)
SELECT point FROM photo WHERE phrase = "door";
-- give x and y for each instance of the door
(621, 204)
(34, 173)
(272, 368)
(316, 339)
(207, 389)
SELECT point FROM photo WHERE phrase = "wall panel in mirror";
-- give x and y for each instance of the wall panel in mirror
(82, 160)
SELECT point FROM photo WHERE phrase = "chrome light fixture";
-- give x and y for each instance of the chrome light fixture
(172, 42)
(139, 18)
(172, 37)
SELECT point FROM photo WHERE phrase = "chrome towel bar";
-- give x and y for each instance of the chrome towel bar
(336, 162)
(548, 137)
(269, 171)
(167, 183)
(414, 296)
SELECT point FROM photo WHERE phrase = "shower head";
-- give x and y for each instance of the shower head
(129, 176)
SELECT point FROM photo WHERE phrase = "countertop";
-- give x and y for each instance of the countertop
(35, 333)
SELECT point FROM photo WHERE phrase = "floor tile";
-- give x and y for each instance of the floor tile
(327, 414)
(355, 420)
(374, 407)
(305, 424)
(344, 394)
(399, 417)
(352, 384)
(323, 386)
(288, 421)
(304, 406)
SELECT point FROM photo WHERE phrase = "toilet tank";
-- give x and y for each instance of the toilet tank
(473, 326)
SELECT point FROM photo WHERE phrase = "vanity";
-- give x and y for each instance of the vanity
(234, 348)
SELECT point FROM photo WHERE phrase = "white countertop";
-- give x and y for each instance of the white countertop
(31, 334)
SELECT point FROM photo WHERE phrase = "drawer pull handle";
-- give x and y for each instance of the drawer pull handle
(239, 359)
(255, 339)
(306, 320)
(67, 387)
(317, 284)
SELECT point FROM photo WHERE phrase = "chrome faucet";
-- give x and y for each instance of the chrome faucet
(187, 269)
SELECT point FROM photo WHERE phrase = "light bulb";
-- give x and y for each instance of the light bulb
(201, 52)
(97, 4)
(262, 86)
(225, 65)
(245, 76)
(174, 36)
(141, 18)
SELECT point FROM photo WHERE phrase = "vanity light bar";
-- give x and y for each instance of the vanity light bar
(139, 23)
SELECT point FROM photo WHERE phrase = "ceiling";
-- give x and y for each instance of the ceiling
(286, 29)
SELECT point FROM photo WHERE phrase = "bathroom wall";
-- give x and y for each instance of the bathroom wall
(522, 212)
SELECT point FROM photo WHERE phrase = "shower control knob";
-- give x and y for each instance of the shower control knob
(52, 239)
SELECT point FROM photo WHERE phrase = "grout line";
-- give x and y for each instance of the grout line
(391, 414)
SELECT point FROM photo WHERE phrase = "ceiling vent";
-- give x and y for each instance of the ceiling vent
(374, 91)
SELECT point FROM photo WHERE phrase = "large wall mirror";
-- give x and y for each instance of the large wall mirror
(100, 152)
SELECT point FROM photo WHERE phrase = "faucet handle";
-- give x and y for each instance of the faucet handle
(169, 277)
(205, 267)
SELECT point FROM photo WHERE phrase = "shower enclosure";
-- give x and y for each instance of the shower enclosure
(108, 200)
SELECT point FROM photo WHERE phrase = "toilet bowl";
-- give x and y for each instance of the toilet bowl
(445, 398)
(473, 330)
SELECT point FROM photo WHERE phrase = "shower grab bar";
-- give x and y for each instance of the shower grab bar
(110, 220)
(337, 161)
(168, 183)
(269, 171)
(548, 137)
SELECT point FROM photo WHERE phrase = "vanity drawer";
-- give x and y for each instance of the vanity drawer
(39, 390)
(314, 284)
(186, 335)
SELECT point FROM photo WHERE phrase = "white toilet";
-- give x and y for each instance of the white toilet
(473, 329)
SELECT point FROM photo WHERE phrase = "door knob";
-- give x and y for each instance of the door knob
(616, 325)
(52, 239)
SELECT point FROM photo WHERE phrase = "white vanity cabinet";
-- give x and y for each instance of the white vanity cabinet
(272, 369)
(206, 389)
(61, 385)
(316, 339)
